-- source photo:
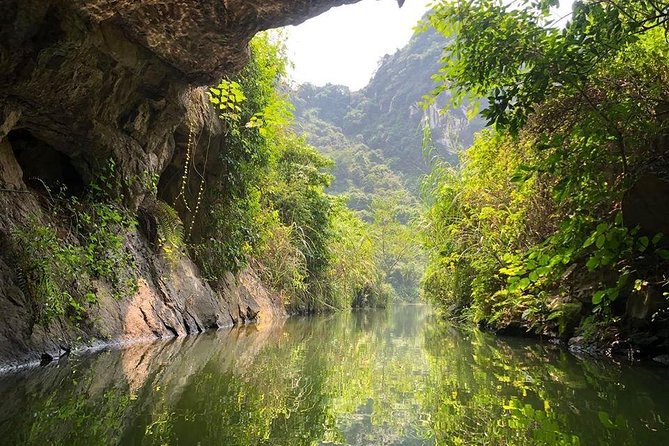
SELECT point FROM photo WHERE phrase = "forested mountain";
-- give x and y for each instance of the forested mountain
(386, 115)
(361, 173)
(375, 137)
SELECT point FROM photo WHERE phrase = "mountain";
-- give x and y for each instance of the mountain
(386, 116)
(375, 137)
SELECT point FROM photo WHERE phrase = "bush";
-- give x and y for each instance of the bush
(530, 231)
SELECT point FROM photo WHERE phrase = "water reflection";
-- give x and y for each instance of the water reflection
(368, 378)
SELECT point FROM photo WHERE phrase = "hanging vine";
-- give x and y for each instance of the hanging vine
(184, 176)
(200, 191)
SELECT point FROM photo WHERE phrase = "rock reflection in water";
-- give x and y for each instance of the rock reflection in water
(397, 377)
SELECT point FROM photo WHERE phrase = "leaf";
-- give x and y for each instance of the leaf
(518, 177)
(605, 419)
(657, 238)
(606, 258)
(534, 276)
(601, 239)
(598, 296)
(590, 240)
(592, 263)
(524, 283)
(543, 271)
(643, 243)
(613, 293)
(663, 253)
(554, 315)
(619, 218)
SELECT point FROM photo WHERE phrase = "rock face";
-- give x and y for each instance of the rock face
(85, 81)
(95, 78)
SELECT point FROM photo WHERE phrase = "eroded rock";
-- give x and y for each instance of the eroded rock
(86, 81)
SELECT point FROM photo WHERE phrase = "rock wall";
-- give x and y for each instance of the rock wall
(83, 81)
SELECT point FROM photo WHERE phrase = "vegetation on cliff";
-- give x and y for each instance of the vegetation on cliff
(554, 223)
(77, 242)
(259, 201)
(270, 207)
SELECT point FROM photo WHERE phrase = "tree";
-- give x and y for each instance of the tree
(513, 54)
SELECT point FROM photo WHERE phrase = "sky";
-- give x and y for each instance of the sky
(343, 45)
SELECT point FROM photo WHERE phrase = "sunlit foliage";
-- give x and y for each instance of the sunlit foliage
(270, 207)
(531, 232)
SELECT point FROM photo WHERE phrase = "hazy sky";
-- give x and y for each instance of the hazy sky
(344, 45)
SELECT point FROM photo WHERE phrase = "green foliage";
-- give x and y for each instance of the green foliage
(282, 265)
(356, 275)
(254, 116)
(50, 267)
(317, 250)
(300, 199)
(62, 263)
(514, 56)
(169, 230)
(304, 211)
(393, 230)
(533, 222)
(102, 223)
(102, 229)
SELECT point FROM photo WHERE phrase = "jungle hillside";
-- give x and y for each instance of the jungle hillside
(556, 220)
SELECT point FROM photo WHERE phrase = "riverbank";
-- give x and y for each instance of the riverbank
(172, 300)
(639, 347)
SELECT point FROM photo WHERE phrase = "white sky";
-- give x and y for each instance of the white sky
(344, 45)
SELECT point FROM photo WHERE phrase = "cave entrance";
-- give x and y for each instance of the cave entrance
(45, 169)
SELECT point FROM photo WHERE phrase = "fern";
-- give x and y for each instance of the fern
(170, 230)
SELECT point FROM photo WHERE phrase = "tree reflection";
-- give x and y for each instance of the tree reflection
(514, 393)
(369, 378)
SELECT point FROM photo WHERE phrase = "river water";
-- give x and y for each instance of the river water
(396, 377)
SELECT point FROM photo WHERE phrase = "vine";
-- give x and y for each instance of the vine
(185, 175)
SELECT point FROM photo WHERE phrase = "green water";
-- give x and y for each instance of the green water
(370, 378)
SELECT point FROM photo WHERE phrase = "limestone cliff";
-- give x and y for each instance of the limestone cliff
(85, 81)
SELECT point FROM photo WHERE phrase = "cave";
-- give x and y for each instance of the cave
(168, 184)
(45, 169)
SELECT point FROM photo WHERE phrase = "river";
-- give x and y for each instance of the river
(396, 377)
